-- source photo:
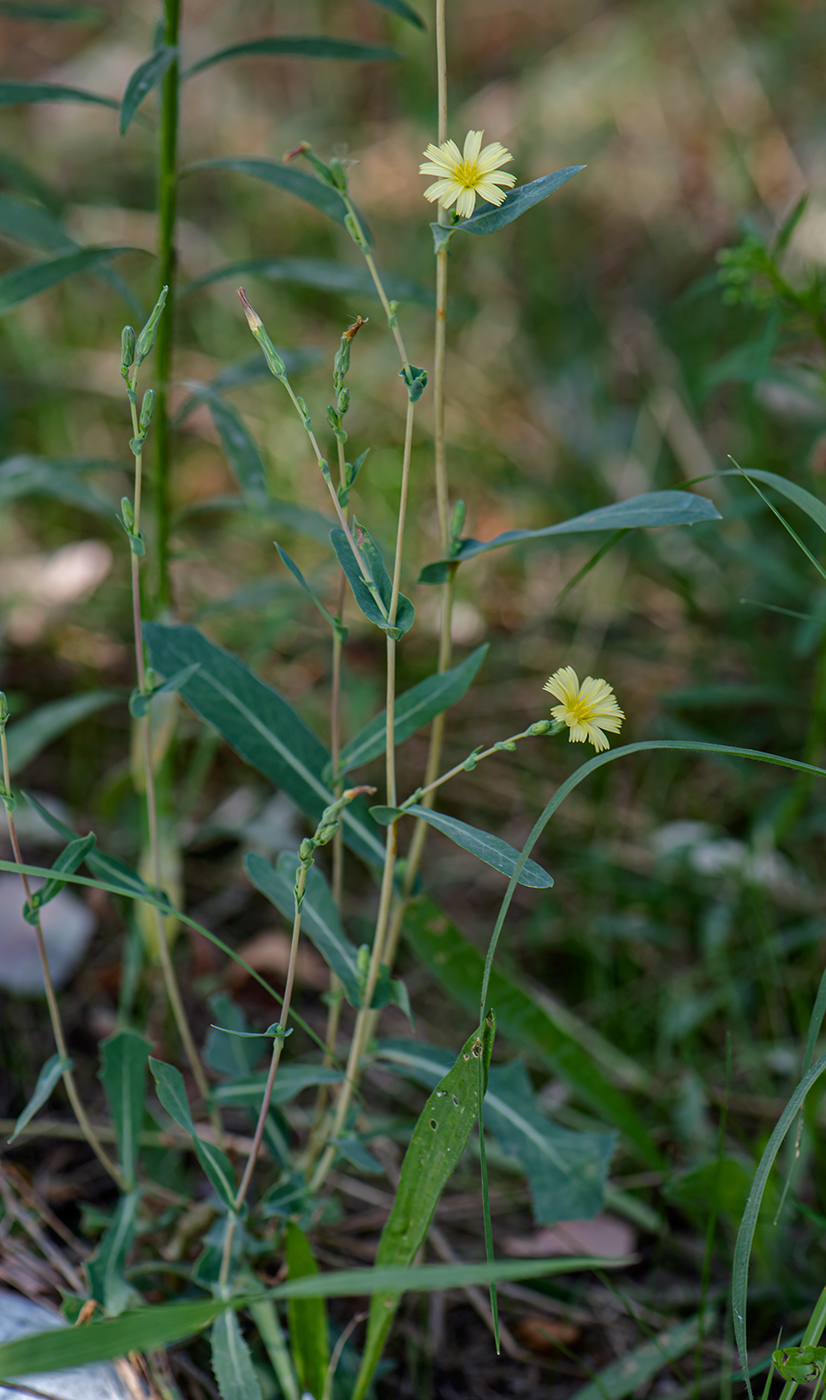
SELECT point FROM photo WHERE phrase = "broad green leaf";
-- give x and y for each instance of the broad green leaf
(566, 1170)
(748, 1225)
(150, 1329)
(26, 475)
(414, 708)
(124, 1077)
(459, 967)
(66, 863)
(290, 1081)
(286, 177)
(31, 224)
(169, 1083)
(231, 1360)
(638, 1367)
(516, 202)
(260, 725)
(651, 510)
(239, 446)
(307, 1316)
(439, 1139)
(297, 46)
(370, 552)
(491, 849)
(65, 14)
(319, 917)
(401, 7)
(47, 1080)
(814, 508)
(105, 1268)
(25, 282)
(13, 93)
(145, 77)
(28, 736)
(321, 273)
(230, 1054)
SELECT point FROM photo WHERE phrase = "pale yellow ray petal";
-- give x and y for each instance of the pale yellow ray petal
(473, 145)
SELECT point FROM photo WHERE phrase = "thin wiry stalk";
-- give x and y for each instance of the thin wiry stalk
(167, 211)
(51, 999)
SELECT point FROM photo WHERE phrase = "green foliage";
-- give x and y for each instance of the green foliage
(491, 849)
(169, 1086)
(297, 46)
(307, 1316)
(124, 1057)
(47, 1081)
(373, 598)
(146, 76)
(105, 1269)
(231, 1360)
(25, 282)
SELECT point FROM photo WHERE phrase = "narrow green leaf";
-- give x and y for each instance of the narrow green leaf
(491, 849)
(459, 967)
(238, 443)
(286, 177)
(226, 1053)
(123, 1074)
(414, 708)
(18, 176)
(59, 477)
(61, 14)
(651, 510)
(25, 282)
(231, 1360)
(814, 508)
(516, 202)
(66, 863)
(47, 1080)
(319, 918)
(297, 46)
(297, 574)
(405, 612)
(105, 1268)
(31, 224)
(140, 701)
(146, 76)
(321, 273)
(27, 737)
(265, 1317)
(439, 1139)
(290, 1081)
(566, 1170)
(260, 725)
(401, 7)
(629, 1373)
(13, 93)
(169, 1083)
(307, 1317)
(150, 1329)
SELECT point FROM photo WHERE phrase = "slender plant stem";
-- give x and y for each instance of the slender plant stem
(277, 1046)
(167, 968)
(167, 211)
(51, 999)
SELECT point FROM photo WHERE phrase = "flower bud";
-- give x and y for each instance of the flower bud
(127, 349)
(146, 339)
(147, 409)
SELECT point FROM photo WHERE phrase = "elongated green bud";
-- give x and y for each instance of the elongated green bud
(256, 325)
(147, 409)
(4, 709)
(146, 339)
(338, 174)
(127, 513)
(127, 349)
(457, 523)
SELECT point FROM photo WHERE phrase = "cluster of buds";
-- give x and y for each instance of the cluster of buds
(327, 828)
(341, 365)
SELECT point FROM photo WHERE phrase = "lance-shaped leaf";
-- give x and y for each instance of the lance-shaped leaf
(169, 1083)
(146, 76)
(231, 1360)
(307, 1316)
(105, 1268)
(321, 273)
(31, 224)
(319, 915)
(566, 1170)
(814, 508)
(297, 574)
(298, 46)
(374, 611)
(260, 725)
(13, 93)
(491, 849)
(139, 701)
(238, 443)
(67, 862)
(414, 708)
(290, 1081)
(110, 869)
(649, 511)
(27, 737)
(60, 479)
(401, 7)
(286, 177)
(225, 1052)
(14, 173)
(123, 1073)
(439, 1139)
(516, 202)
(25, 282)
(47, 1080)
(459, 966)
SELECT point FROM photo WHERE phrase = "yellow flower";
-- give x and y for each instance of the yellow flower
(464, 174)
(587, 709)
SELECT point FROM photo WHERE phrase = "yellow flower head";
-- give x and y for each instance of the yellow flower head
(587, 709)
(464, 174)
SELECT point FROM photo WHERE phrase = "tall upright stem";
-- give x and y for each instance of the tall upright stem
(51, 999)
(167, 212)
